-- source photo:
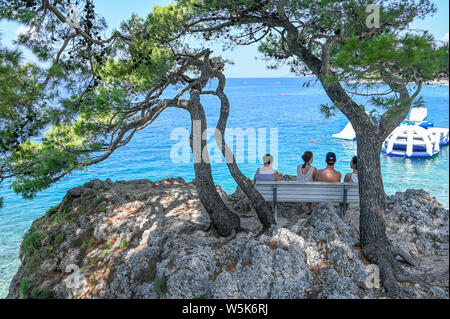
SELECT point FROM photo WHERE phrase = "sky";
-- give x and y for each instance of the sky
(245, 64)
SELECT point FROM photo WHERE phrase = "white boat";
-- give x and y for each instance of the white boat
(348, 133)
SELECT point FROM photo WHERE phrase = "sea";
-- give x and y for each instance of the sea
(268, 115)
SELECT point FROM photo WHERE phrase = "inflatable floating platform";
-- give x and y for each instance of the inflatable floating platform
(414, 138)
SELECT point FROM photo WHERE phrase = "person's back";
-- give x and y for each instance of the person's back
(329, 174)
(266, 173)
(306, 172)
(353, 176)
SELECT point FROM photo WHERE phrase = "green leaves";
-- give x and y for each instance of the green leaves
(91, 97)
(37, 165)
(145, 60)
(21, 115)
(17, 10)
(407, 58)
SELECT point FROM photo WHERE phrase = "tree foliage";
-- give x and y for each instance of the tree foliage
(89, 93)
(336, 34)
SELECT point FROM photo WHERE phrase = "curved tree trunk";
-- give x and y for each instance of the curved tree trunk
(222, 217)
(261, 207)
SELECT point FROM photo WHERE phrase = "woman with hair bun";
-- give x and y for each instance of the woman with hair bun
(306, 172)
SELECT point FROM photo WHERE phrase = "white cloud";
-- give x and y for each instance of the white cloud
(445, 37)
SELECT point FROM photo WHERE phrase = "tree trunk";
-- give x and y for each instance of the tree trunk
(222, 217)
(263, 210)
(373, 238)
(261, 207)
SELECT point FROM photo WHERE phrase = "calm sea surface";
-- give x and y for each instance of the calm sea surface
(282, 104)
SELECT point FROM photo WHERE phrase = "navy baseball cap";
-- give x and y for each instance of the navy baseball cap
(331, 158)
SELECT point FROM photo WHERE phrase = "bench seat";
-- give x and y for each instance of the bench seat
(314, 192)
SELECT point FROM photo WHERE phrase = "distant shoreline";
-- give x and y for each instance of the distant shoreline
(441, 82)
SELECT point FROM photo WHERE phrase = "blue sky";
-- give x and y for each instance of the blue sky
(245, 65)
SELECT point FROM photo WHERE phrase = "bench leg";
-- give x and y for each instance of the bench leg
(275, 208)
(275, 213)
(344, 204)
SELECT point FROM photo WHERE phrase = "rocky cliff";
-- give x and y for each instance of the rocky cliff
(143, 239)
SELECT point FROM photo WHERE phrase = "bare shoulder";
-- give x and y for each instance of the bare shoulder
(277, 175)
(317, 174)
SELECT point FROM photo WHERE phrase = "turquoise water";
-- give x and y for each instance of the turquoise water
(256, 103)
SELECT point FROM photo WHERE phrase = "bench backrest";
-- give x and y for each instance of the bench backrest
(309, 192)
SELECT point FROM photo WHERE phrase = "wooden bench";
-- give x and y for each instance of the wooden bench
(315, 192)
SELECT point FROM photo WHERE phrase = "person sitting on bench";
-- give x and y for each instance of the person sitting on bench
(352, 177)
(266, 173)
(306, 172)
(329, 174)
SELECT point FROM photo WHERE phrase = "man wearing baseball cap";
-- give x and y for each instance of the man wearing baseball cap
(329, 174)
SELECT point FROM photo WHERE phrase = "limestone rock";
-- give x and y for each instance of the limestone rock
(143, 239)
